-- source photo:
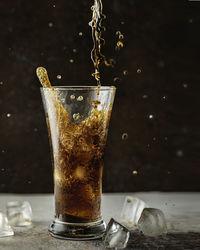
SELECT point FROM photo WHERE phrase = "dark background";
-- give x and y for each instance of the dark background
(157, 102)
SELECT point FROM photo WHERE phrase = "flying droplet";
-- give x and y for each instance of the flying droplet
(125, 72)
(118, 33)
(71, 60)
(190, 20)
(50, 25)
(135, 172)
(72, 97)
(80, 98)
(185, 85)
(59, 77)
(154, 138)
(74, 50)
(8, 115)
(145, 96)
(54, 5)
(76, 116)
(164, 97)
(1, 83)
(124, 136)
(161, 64)
(151, 116)
(35, 129)
(139, 71)
(120, 44)
(80, 33)
(179, 153)
(116, 79)
(122, 22)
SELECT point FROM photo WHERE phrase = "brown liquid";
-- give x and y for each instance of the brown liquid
(78, 149)
(97, 57)
(78, 167)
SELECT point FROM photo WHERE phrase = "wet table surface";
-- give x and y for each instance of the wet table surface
(182, 211)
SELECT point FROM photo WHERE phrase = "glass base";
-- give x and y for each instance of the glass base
(77, 231)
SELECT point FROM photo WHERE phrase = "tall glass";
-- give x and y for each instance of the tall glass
(77, 120)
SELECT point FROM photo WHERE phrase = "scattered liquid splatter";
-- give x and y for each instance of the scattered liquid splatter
(80, 33)
(124, 136)
(71, 60)
(8, 115)
(59, 77)
(139, 71)
(125, 72)
(50, 25)
(135, 172)
(120, 43)
(74, 50)
(97, 57)
(1, 83)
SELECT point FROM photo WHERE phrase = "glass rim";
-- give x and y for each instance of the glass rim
(102, 88)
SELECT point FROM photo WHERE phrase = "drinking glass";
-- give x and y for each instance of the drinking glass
(77, 120)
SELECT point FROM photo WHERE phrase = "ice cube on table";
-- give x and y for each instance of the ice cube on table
(116, 235)
(131, 211)
(152, 222)
(5, 228)
(19, 213)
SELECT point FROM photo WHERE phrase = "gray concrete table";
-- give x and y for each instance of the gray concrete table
(182, 211)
